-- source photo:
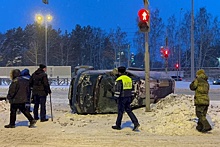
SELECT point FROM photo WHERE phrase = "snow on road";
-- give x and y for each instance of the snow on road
(170, 123)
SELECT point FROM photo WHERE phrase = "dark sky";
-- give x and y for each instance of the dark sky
(98, 13)
(105, 14)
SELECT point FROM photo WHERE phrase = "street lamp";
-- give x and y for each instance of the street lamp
(119, 58)
(192, 42)
(44, 19)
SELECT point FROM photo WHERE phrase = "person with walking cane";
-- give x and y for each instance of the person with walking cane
(40, 89)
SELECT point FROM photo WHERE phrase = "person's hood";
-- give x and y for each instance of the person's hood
(15, 73)
(25, 72)
(201, 74)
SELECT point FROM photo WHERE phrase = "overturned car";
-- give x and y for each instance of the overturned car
(91, 91)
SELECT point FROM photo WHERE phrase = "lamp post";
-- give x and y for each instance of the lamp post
(120, 54)
(179, 56)
(192, 43)
(44, 19)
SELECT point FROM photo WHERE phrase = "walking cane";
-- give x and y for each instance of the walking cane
(51, 108)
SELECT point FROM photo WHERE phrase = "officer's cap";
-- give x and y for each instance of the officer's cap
(121, 69)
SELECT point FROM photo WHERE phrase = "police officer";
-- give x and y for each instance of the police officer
(40, 89)
(123, 93)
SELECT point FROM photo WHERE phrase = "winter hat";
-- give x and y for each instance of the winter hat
(199, 72)
(115, 71)
(121, 69)
(42, 66)
(15, 73)
(25, 72)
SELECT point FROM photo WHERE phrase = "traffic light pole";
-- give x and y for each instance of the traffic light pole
(166, 65)
(147, 66)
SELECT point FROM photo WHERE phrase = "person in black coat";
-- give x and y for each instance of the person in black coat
(40, 89)
(17, 97)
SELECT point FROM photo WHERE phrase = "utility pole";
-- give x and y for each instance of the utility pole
(129, 61)
(192, 43)
(46, 45)
(166, 53)
(147, 65)
(179, 57)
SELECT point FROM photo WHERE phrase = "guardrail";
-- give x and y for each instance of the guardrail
(53, 81)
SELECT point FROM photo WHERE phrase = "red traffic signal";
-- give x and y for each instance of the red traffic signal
(144, 15)
(144, 23)
(164, 52)
(177, 66)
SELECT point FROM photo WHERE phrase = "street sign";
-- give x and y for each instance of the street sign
(144, 15)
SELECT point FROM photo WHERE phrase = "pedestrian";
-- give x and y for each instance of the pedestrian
(123, 93)
(40, 89)
(17, 97)
(26, 75)
(201, 100)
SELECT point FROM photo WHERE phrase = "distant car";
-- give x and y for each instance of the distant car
(177, 78)
(216, 82)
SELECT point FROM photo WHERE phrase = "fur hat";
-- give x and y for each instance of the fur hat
(15, 73)
(115, 71)
(42, 66)
(200, 71)
(121, 69)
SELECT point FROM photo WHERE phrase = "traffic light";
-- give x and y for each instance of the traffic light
(161, 51)
(132, 59)
(144, 24)
(177, 66)
(45, 1)
(166, 53)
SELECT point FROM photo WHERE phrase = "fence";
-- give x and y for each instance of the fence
(57, 75)
(211, 72)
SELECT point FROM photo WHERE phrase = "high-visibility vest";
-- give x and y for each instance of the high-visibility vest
(127, 82)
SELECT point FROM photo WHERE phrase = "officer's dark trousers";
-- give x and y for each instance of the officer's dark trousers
(40, 100)
(201, 112)
(22, 108)
(124, 105)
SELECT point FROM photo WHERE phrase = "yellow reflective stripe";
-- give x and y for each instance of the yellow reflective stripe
(127, 82)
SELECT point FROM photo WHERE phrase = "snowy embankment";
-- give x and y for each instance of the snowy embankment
(173, 115)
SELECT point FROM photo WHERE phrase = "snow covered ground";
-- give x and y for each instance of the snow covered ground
(170, 123)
